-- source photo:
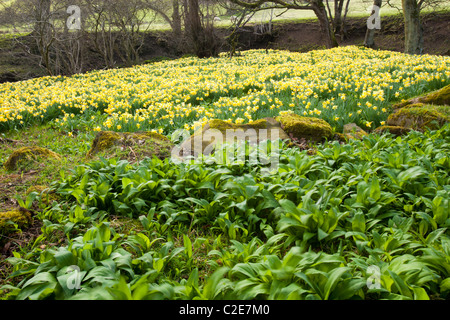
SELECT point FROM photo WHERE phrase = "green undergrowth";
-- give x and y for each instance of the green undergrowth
(363, 220)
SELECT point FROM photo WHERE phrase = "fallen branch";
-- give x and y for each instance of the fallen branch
(6, 140)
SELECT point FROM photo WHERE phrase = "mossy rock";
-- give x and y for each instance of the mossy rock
(420, 117)
(131, 144)
(395, 130)
(438, 97)
(309, 128)
(340, 137)
(21, 218)
(352, 131)
(44, 192)
(28, 153)
(203, 141)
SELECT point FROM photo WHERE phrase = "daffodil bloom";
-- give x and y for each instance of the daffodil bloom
(189, 92)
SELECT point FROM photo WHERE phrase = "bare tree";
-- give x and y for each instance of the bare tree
(369, 41)
(413, 26)
(102, 34)
(337, 17)
(170, 11)
(414, 36)
(199, 27)
(118, 29)
(239, 20)
(49, 41)
(317, 6)
(132, 18)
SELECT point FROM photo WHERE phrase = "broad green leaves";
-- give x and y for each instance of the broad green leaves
(315, 229)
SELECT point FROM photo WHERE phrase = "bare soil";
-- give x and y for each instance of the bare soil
(307, 36)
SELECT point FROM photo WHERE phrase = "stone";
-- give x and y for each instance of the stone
(438, 97)
(420, 116)
(309, 128)
(204, 140)
(28, 153)
(395, 130)
(352, 131)
(21, 218)
(140, 144)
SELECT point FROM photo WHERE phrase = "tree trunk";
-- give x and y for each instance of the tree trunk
(369, 41)
(338, 6)
(194, 27)
(413, 27)
(176, 19)
(43, 32)
(321, 13)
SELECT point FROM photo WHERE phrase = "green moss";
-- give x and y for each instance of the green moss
(21, 218)
(138, 143)
(439, 97)
(419, 117)
(46, 194)
(28, 153)
(268, 124)
(153, 135)
(395, 130)
(314, 129)
(352, 131)
(103, 140)
(340, 137)
(222, 125)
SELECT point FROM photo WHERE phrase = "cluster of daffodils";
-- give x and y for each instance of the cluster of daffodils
(340, 85)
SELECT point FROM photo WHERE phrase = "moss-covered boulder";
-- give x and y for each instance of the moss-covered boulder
(21, 218)
(131, 145)
(28, 153)
(438, 97)
(420, 116)
(352, 131)
(395, 130)
(46, 194)
(204, 140)
(309, 128)
(340, 137)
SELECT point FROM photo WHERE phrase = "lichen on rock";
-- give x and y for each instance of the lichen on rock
(420, 116)
(139, 143)
(47, 195)
(438, 97)
(204, 140)
(28, 153)
(309, 128)
(352, 131)
(395, 130)
(21, 218)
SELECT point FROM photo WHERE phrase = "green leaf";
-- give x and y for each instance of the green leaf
(64, 258)
(158, 264)
(38, 287)
(375, 191)
(420, 294)
(321, 234)
(311, 284)
(400, 284)
(445, 285)
(333, 279)
(433, 236)
(359, 222)
(125, 182)
(187, 246)
(213, 284)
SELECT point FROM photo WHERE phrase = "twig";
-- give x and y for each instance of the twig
(134, 155)
(6, 140)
